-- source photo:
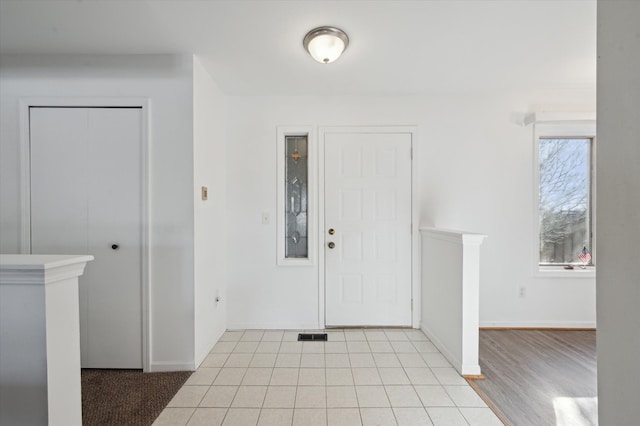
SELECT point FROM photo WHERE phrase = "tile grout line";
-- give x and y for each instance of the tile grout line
(326, 387)
(414, 386)
(393, 413)
(355, 389)
(234, 395)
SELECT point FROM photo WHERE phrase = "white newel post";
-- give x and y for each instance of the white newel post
(40, 339)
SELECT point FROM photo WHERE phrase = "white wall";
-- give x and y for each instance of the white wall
(167, 81)
(23, 376)
(475, 166)
(442, 310)
(210, 223)
(618, 202)
(476, 174)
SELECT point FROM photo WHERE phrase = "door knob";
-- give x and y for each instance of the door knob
(331, 245)
(331, 231)
(115, 246)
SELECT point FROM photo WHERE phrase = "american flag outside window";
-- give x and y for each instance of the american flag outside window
(585, 256)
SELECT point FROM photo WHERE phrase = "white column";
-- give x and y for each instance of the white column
(40, 339)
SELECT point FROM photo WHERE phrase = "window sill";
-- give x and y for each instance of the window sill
(560, 272)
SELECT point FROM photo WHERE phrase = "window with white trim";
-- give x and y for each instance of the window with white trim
(564, 203)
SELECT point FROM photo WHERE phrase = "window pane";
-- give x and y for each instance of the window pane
(295, 209)
(565, 172)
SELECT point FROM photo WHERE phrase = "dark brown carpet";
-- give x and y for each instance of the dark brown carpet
(127, 397)
(541, 377)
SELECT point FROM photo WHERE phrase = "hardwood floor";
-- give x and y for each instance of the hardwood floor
(540, 377)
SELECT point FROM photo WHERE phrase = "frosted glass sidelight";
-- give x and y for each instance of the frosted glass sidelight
(296, 202)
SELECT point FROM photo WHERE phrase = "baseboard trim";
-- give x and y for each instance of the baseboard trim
(474, 376)
(541, 328)
(157, 367)
(455, 362)
(569, 325)
(487, 400)
(201, 356)
(273, 326)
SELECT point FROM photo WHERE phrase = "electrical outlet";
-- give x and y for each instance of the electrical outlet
(523, 292)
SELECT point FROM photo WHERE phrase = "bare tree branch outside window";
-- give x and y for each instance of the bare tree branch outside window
(565, 171)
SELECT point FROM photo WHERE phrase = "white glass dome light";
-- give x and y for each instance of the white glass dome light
(325, 44)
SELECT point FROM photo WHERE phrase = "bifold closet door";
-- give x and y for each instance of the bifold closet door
(86, 198)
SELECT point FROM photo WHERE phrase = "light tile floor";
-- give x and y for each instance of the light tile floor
(358, 377)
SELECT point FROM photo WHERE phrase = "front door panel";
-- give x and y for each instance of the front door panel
(368, 207)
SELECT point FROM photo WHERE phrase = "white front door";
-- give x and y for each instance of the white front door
(86, 198)
(367, 235)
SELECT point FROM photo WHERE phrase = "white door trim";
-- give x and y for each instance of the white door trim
(25, 186)
(415, 233)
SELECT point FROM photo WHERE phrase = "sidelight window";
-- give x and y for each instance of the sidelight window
(295, 196)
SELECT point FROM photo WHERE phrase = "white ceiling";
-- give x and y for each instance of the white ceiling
(397, 47)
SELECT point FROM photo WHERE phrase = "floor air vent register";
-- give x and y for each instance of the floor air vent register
(312, 337)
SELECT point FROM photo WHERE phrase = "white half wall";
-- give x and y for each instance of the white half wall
(210, 216)
(167, 81)
(40, 339)
(475, 166)
(618, 203)
(450, 296)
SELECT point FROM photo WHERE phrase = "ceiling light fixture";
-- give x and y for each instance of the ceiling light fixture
(325, 44)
